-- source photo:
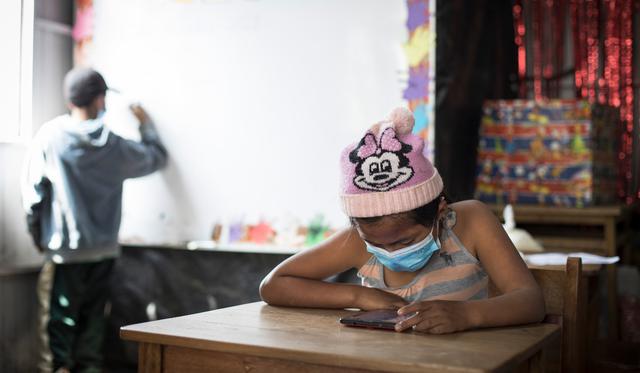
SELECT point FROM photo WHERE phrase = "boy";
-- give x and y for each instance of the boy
(72, 193)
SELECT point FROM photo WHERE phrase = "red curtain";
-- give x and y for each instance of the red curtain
(600, 35)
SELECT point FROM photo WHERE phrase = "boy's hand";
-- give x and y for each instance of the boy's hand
(139, 113)
(376, 299)
(436, 317)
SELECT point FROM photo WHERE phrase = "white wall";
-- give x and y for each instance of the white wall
(3, 218)
(17, 248)
(255, 100)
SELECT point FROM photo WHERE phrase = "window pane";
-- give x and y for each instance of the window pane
(10, 20)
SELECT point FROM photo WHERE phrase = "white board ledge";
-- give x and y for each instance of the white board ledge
(245, 247)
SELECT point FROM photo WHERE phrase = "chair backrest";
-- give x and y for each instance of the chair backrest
(566, 305)
(565, 299)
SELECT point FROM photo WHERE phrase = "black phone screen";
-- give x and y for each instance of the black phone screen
(380, 319)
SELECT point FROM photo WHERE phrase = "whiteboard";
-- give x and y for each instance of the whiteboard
(253, 99)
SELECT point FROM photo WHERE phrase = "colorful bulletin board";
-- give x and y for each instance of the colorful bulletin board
(420, 51)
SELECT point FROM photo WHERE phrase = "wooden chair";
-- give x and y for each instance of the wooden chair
(565, 299)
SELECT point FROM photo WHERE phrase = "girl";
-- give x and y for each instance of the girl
(413, 250)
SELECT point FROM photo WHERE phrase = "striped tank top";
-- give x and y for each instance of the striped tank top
(452, 273)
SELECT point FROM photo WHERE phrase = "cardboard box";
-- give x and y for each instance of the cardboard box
(554, 152)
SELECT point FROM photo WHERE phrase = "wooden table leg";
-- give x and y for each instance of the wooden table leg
(612, 280)
(149, 358)
(612, 301)
(593, 312)
(626, 244)
(537, 362)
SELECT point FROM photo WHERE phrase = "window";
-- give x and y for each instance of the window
(16, 50)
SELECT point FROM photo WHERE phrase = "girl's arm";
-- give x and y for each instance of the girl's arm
(298, 281)
(521, 301)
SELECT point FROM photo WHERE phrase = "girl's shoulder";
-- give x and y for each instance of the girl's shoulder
(471, 209)
(469, 204)
(473, 219)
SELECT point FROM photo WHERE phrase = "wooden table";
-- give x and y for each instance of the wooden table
(601, 230)
(256, 337)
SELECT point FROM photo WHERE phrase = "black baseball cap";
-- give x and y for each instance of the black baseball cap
(82, 85)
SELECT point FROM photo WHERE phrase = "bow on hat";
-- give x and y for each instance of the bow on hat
(388, 142)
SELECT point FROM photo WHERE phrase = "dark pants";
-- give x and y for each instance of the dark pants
(73, 319)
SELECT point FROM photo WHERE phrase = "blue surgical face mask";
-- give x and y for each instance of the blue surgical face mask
(101, 114)
(407, 259)
(91, 125)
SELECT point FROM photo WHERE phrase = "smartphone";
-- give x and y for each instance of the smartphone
(378, 319)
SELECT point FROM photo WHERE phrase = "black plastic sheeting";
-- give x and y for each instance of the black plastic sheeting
(476, 60)
(177, 283)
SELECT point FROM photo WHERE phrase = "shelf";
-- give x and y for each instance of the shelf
(205, 245)
(551, 213)
(250, 248)
(571, 244)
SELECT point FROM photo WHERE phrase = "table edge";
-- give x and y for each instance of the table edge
(317, 357)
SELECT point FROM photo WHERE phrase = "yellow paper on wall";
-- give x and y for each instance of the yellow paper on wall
(420, 44)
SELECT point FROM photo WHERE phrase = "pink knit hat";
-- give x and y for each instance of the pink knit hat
(386, 172)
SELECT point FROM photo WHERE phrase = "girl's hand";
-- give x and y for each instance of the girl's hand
(375, 299)
(436, 317)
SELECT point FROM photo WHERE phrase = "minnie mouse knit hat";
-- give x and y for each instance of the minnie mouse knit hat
(386, 171)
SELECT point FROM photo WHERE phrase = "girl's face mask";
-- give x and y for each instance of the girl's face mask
(407, 259)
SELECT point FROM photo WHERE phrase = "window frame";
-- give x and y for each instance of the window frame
(22, 130)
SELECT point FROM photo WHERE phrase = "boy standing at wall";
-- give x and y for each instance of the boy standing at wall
(72, 194)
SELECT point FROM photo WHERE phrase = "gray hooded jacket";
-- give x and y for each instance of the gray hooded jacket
(72, 186)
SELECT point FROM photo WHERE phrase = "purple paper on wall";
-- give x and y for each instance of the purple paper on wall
(418, 14)
(418, 84)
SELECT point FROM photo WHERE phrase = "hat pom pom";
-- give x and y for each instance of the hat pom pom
(402, 119)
